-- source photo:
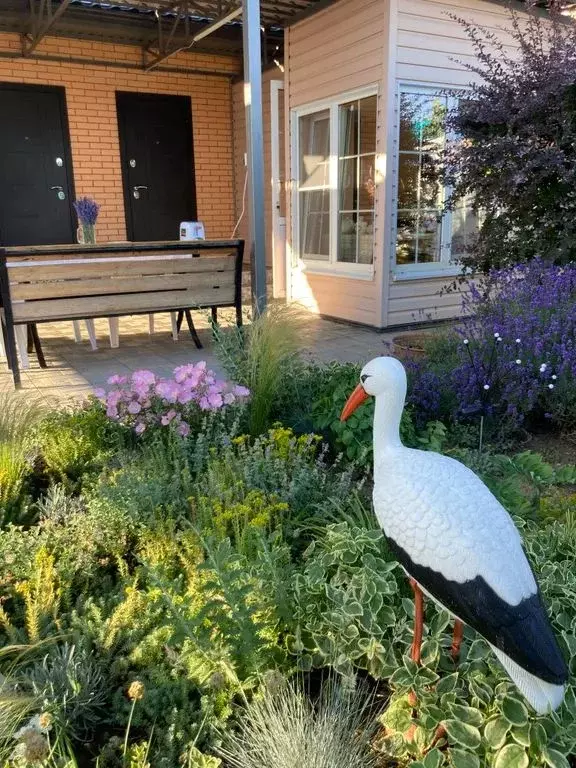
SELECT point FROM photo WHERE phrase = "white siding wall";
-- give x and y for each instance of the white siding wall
(353, 44)
(339, 49)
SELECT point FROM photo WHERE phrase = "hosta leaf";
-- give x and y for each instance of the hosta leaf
(514, 711)
(467, 714)
(555, 759)
(353, 609)
(521, 734)
(447, 684)
(462, 733)
(512, 756)
(538, 736)
(495, 732)
(462, 759)
(433, 759)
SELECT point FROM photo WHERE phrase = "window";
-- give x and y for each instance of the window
(336, 159)
(427, 238)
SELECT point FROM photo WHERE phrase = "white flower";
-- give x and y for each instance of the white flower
(466, 341)
(496, 335)
(542, 367)
(518, 362)
(550, 386)
(554, 377)
(499, 338)
(486, 386)
(517, 341)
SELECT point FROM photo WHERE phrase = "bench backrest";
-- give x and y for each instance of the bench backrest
(62, 286)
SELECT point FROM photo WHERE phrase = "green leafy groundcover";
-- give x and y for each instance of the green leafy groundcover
(152, 588)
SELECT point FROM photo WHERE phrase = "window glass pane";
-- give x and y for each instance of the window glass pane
(465, 226)
(365, 229)
(429, 237)
(422, 132)
(368, 109)
(347, 237)
(408, 173)
(314, 185)
(348, 184)
(348, 129)
(367, 184)
(407, 236)
(356, 180)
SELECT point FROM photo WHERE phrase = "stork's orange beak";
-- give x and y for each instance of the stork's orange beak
(354, 401)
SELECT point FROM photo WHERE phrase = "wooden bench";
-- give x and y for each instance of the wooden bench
(51, 283)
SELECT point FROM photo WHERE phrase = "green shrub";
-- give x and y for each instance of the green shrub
(263, 356)
(74, 445)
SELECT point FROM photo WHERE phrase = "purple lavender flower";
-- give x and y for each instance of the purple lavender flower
(87, 210)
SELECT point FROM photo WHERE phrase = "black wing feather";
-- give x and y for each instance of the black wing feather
(522, 631)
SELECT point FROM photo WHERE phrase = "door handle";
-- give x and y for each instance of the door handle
(136, 190)
(60, 190)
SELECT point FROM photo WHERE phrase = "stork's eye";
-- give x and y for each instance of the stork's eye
(364, 377)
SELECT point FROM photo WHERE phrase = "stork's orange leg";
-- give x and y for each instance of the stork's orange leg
(457, 640)
(418, 621)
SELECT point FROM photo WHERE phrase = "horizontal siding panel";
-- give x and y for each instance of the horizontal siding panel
(459, 78)
(342, 33)
(358, 47)
(436, 41)
(400, 289)
(314, 29)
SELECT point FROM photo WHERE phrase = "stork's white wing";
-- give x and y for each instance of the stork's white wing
(444, 517)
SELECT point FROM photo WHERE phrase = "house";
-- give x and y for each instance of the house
(141, 105)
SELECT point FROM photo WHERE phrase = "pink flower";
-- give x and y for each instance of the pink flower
(140, 427)
(204, 404)
(113, 397)
(168, 390)
(240, 391)
(143, 378)
(134, 407)
(112, 412)
(215, 400)
(229, 398)
(185, 396)
(183, 429)
(100, 393)
(116, 379)
(168, 417)
(184, 372)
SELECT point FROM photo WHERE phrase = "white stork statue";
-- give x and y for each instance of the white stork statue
(458, 545)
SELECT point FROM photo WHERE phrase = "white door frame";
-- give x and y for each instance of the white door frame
(279, 268)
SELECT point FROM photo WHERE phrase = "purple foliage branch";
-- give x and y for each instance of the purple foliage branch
(87, 210)
(516, 156)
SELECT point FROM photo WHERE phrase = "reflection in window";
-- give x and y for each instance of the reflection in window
(314, 185)
(420, 193)
(356, 187)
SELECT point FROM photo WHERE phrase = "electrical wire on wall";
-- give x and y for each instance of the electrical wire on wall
(243, 211)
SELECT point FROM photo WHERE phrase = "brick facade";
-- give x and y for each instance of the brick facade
(91, 105)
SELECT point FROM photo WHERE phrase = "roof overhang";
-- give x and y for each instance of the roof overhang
(160, 27)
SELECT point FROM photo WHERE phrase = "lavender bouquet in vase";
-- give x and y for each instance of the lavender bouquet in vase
(87, 211)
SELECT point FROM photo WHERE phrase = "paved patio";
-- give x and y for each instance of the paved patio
(75, 370)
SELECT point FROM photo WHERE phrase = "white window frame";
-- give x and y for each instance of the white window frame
(331, 266)
(446, 266)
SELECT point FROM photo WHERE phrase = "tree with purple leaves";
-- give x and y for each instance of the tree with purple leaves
(517, 153)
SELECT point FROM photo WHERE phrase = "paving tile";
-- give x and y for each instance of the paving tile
(74, 370)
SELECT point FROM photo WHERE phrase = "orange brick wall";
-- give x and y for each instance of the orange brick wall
(91, 102)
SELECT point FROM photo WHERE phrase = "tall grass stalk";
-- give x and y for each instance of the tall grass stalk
(262, 356)
(18, 414)
(285, 729)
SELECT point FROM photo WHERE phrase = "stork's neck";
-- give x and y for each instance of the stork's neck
(387, 414)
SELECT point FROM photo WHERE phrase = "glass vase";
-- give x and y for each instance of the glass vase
(88, 234)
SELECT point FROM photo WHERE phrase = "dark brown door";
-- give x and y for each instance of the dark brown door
(157, 164)
(35, 167)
